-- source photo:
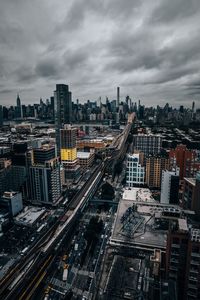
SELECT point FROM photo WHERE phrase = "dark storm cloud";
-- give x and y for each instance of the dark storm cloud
(55, 67)
(174, 11)
(6, 91)
(47, 68)
(150, 48)
(25, 74)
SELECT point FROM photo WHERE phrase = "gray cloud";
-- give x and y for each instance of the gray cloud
(47, 68)
(174, 11)
(151, 50)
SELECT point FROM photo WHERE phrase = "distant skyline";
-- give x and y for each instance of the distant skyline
(151, 49)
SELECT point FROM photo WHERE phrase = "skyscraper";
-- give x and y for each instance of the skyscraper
(193, 106)
(45, 184)
(1, 115)
(68, 153)
(118, 96)
(63, 109)
(18, 108)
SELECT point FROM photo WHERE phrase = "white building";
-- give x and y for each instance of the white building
(170, 187)
(135, 172)
(12, 201)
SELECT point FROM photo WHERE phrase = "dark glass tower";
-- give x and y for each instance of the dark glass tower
(63, 109)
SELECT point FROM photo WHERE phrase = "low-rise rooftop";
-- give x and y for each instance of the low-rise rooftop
(29, 215)
(138, 195)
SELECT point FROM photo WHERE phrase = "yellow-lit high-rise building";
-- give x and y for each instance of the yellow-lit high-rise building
(68, 153)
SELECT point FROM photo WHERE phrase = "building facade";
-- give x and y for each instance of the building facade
(62, 109)
(135, 172)
(170, 187)
(147, 143)
(86, 159)
(12, 201)
(154, 167)
(5, 175)
(68, 151)
(191, 193)
(187, 160)
(183, 259)
(44, 177)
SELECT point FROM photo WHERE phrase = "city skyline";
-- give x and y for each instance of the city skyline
(150, 50)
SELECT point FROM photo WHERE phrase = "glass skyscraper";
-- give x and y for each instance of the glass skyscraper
(63, 109)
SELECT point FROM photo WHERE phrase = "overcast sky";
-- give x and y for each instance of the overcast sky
(150, 48)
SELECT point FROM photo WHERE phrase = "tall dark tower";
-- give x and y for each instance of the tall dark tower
(18, 101)
(1, 115)
(118, 96)
(63, 109)
(193, 106)
(19, 107)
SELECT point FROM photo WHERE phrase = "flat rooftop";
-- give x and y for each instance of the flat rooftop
(29, 215)
(135, 224)
(138, 195)
(83, 155)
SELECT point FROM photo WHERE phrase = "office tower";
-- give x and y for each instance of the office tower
(118, 96)
(191, 194)
(183, 259)
(1, 115)
(44, 176)
(52, 107)
(19, 168)
(147, 143)
(154, 167)
(170, 187)
(68, 153)
(18, 108)
(135, 172)
(12, 201)
(186, 160)
(113, 106)
(5, 175)
(63, 109)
